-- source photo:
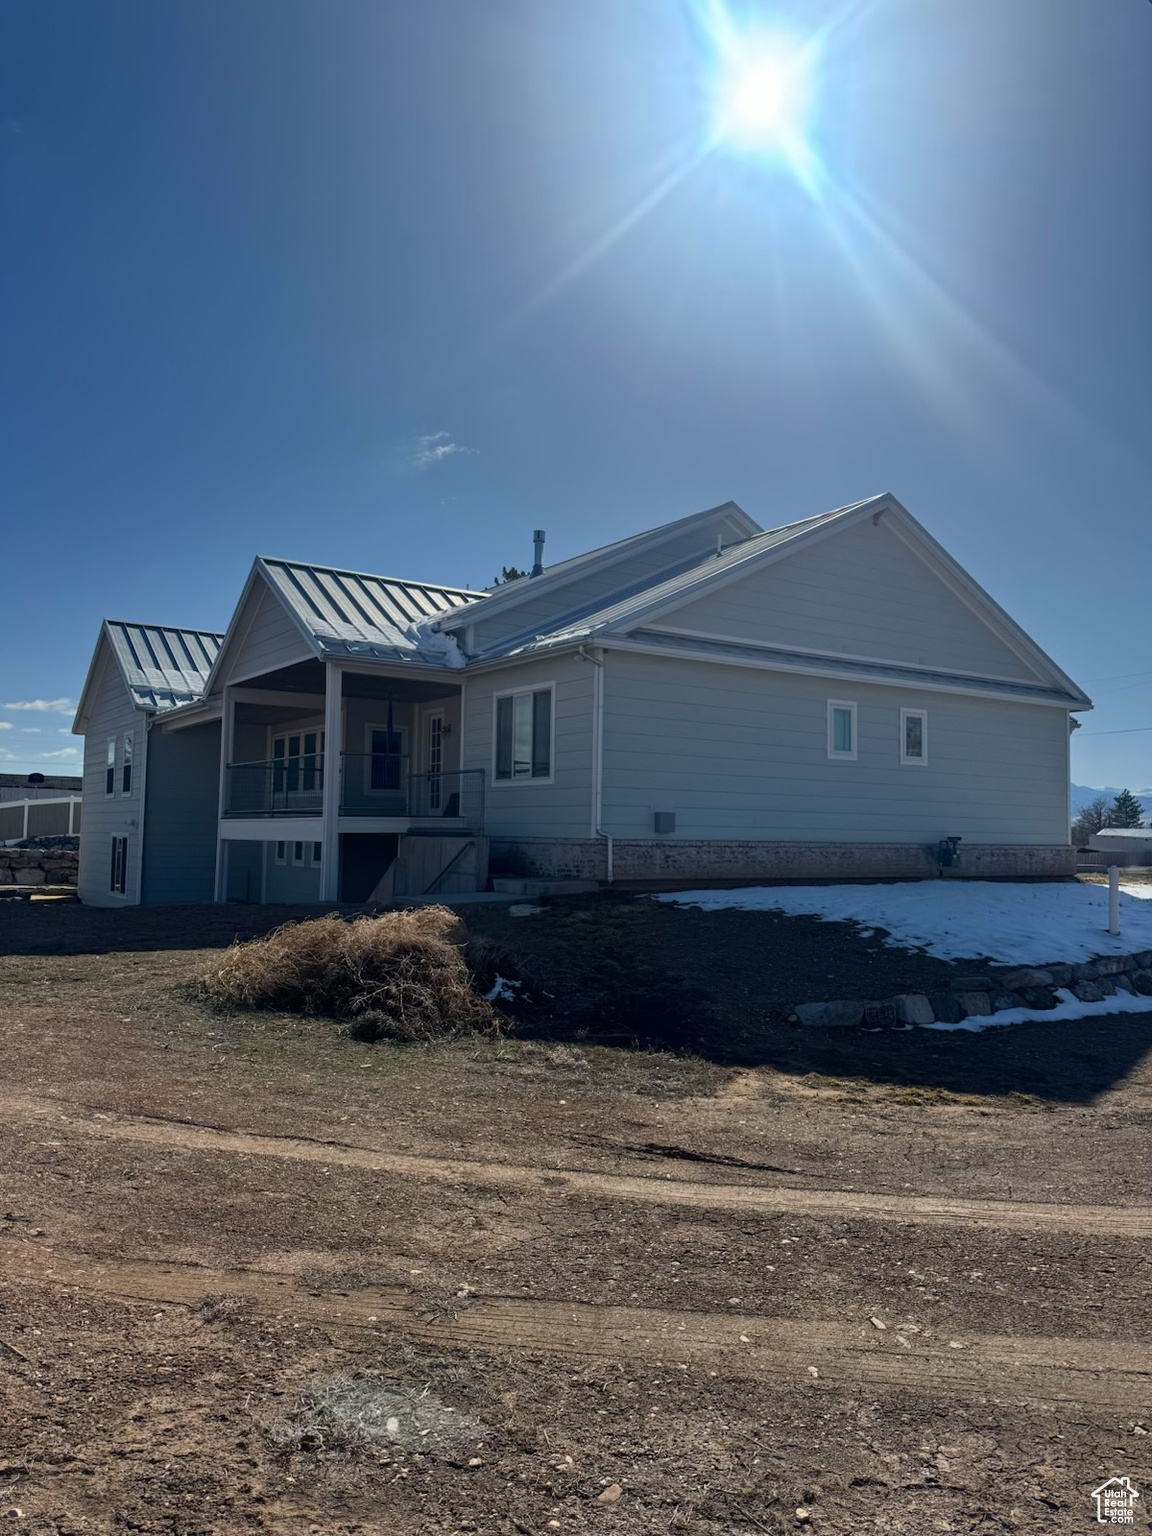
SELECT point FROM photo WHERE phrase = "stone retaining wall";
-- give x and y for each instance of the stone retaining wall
(39, 866)
(973, 997)
(659, 860)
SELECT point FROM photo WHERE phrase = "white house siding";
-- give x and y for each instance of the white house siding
(739, 753)
(266, 638)
(543, 614)
(181, 798)
(107, 816)
(562, 808)
(862, 592)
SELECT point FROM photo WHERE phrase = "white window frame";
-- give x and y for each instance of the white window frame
(127, 765)
(922, 760)
(118, 869)
(833, 754)
(110, 767)
(315, 852)
(280, 851)
(302, 844)
(526, 779)
(397, 730)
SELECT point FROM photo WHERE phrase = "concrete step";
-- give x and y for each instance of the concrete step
(535, 885)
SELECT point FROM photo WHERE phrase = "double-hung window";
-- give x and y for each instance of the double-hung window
(110, 769)
(118, 883)
(524, 735)
(914, 736)
(842, 729)
(126, 767)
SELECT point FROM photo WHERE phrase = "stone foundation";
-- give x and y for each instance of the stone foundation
(678, 860)
(38, 866)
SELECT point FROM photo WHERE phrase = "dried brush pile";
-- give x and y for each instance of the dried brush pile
(399, 976)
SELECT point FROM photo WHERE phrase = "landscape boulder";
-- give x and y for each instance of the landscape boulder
(976, 1005)
(879, 1015)
(1040, 998)
(1027, 976)
(947, 1007)
(1003, 1000)
(839, 1015)
(1142, 983)
(1088, 991)
(913, 1008)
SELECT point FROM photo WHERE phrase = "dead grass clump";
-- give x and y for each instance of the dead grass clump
(349, 1413)
(400, 976)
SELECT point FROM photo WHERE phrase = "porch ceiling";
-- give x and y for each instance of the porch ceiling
(308, 677)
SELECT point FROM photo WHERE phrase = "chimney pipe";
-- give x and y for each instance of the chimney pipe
(538, 552)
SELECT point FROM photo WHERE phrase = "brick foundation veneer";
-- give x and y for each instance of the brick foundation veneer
(676, 860)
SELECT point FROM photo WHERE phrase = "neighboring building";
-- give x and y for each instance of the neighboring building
(706, 700)
(38, 786)
(1130, 845)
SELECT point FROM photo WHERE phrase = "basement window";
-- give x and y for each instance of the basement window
(914, 736)
(118, 883)
(282, 852)
(314, 854)
(842, 729)
(523, 735)
(298, 853)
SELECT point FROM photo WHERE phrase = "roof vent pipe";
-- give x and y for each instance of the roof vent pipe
(538, 552)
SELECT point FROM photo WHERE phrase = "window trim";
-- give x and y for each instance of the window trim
(302, 844)
(280, 851)
(838, 756)
(110, 768)
(315, 853)
(127, 755)
(526, 779)
(402, 732)
(905, 760)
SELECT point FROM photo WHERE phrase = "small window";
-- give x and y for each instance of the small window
(315, 851)
(298, 853)
(119, 874)
(914, 736)
(524, 735)
(281, 852)
(126, 768)
(110, 770)
(841, 729)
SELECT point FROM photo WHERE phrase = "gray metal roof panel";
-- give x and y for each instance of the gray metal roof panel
(352, 613)
(161, 664)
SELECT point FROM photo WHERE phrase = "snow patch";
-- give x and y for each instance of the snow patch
(503, 990)
(1068, 1008)
(1014, 924)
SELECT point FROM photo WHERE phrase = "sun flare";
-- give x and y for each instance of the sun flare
(763, 95)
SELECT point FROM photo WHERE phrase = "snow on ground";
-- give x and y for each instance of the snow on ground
(1014, 924)
(1068, 1008)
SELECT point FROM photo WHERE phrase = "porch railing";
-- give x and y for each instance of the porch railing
(371, 784)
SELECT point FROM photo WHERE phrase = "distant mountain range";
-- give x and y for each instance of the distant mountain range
(1084, 794)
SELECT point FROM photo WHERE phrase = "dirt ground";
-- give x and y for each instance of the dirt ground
(256, 1277)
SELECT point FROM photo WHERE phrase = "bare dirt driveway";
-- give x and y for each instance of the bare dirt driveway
(256, 1277)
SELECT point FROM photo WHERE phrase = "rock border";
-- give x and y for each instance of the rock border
(978, 996)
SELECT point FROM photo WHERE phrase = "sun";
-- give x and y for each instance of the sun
(763, 95)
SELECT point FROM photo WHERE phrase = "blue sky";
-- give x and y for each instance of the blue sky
(388, 285)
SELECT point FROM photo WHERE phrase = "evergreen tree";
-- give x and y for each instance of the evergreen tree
(508, 573)
(1096, 814)
(1126, 811)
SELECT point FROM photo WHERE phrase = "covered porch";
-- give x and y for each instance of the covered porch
(395, 771)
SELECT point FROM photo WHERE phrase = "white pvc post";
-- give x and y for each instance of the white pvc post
(1113, 899)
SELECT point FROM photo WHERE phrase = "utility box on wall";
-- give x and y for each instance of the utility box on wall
(664, 821)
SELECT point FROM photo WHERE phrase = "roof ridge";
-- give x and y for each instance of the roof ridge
(180, 629)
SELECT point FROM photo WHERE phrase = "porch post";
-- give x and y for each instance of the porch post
(227, 731)
(333, 773)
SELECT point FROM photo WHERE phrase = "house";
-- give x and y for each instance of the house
(706, 700)
(1124, 846)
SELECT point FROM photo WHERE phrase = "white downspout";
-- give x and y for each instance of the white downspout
(598, 756)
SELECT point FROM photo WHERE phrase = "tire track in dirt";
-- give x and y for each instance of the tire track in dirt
(932, 1210)
(834, 1353)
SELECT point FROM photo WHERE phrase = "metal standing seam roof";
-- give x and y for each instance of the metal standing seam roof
(352, 613)
(623, 606)
(162, 666)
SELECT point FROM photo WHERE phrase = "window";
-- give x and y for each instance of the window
(385, 759)
(841, 729)
(281, 852)
(524, 735)
(118, 882)
(298, 763)
(315, 850)
(435, 761)
(126, 768)
(110, 770)
(298, 853)
(914, 736)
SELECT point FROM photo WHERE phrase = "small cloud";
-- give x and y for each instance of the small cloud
(5, 725)
(435, 448)
(63, 752)
(7, 757)
(45, 706)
